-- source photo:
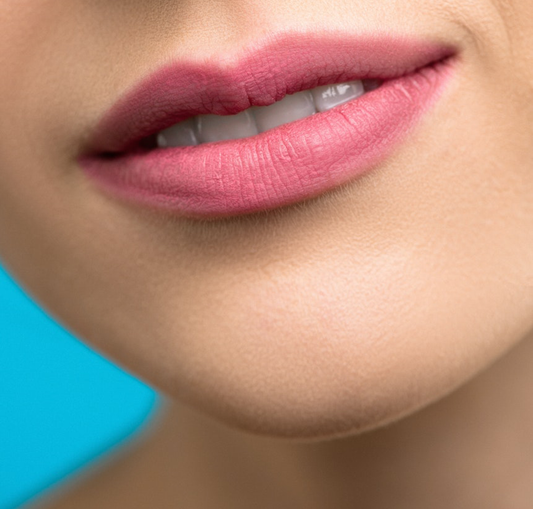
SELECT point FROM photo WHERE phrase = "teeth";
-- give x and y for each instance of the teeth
(329, 96)
(255, 120)
(178, 135)
(290, 108)
(227, 127)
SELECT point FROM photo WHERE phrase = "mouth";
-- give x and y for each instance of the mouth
(284, 121)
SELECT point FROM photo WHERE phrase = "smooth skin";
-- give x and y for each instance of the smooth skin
(394, 315)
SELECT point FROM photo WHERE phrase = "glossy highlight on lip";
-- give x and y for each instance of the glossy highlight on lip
(290, 163)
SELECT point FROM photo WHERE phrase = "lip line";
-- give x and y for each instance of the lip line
(294, 162)
(153, 104)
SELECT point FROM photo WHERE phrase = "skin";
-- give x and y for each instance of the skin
(387, 302)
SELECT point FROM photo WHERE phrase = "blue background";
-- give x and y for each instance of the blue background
(61, 405)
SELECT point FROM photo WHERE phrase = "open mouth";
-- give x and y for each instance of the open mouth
(258, 119)
(285, 122)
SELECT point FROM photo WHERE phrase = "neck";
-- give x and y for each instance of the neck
(470, 449)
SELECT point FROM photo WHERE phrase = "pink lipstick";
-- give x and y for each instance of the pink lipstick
(283, 165)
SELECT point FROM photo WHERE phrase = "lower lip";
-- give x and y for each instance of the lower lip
(285, 165)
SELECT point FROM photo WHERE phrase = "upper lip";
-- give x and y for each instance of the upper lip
(258, 76)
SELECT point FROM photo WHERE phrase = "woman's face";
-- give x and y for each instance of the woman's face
(329, 316)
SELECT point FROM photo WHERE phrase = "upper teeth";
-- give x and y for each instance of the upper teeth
(257, 119)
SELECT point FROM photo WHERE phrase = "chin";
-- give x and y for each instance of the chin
(339, 371)
(316, 349)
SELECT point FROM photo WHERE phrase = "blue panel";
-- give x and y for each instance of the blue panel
(61, 404)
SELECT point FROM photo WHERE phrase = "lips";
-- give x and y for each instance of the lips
(291, 163)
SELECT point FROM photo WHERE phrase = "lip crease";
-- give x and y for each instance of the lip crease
(290, 163)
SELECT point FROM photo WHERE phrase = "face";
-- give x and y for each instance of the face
(326, 314)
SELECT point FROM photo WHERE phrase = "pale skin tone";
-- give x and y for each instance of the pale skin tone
(395, 315)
